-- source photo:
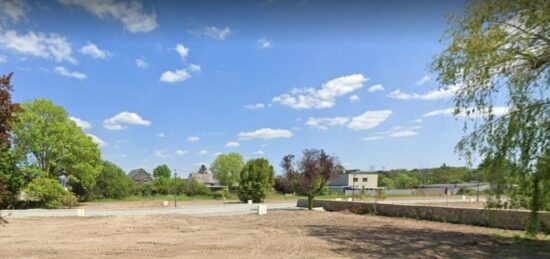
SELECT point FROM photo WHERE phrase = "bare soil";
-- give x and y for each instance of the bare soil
(280, 234)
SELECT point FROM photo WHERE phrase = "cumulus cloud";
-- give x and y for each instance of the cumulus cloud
(255, 106)
(202, 152)
(130, 13)
(97, 140)
(123, 119)
(212, 32)
(259, 152)
(182, 51)
(372, 138)
(376, 88)
(423, 80)
(325, 97)
(266, 133)
(194, 68)
(264, 43)
(354, 98)
(324, 123)
(232, 144)
(180, 152)
(369, 120)
(163, 153)
(39, 44)
(174, 76)
(12, 10)
(94, 51)
(161, 135)
(193, 138)
(73, 74)
(140, 62)
(403, 134)
(432, 95)
(81, 123)
(471, 113)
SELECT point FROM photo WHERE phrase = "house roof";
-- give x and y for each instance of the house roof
(140, 176)
(204, 178)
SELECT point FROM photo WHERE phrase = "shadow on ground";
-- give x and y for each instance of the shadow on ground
(394, 241)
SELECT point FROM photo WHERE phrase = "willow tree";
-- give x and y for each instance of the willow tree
(498, 54)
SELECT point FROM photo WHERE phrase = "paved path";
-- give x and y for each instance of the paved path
(195, 210)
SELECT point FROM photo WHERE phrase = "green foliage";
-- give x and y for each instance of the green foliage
(163, 186)
(203, 170)
(49, 193)
(144, 189)
(193, 187)
(227, 167)
(499, 53)
(113, 182)
(162, 171)
(11, 179)
(221, 194)
(45, 137)
(256, 180)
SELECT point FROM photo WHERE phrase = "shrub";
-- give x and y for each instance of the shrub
(222, 194)
(163, 185)
(193, 187)
(50, 194)
(143, 189)
(112, 182)
(283, 185)
(256, 180)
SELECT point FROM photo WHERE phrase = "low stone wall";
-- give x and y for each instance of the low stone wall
(507, 219)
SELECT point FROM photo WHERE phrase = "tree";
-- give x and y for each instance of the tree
(499, 53)
(193, 187)
(45, 137)
(256, 180)
(162, 171)
(112, 182)
(203, 170)
(314, 171)
(227, 167)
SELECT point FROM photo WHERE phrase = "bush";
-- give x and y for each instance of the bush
(256, 180)
(222, 194)
(112, 182)
(50, 194)
(193, 187)
(163, 186)
(143, 189)
(283, 185)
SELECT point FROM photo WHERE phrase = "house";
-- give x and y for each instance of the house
(140, 176)
(354, 179)
(207, 179)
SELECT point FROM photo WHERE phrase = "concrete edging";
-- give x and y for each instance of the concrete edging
(506, 219)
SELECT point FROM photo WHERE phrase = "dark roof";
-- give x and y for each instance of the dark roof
(358, 171)
(140, 176)
(207, 179)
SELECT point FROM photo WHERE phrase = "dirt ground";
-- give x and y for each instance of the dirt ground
(281, 234)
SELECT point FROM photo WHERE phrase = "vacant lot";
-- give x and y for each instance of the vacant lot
(297, 234)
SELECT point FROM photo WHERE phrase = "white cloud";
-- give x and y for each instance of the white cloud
(181, 152)
(12, 10)
(174, 76)
(432, 95)
(94, 51)
(161, 135)
(418, 121)
(182, 50)
(232, 144)
(259, 152)
(97, 140)
(376, 88)
(73, 74)
(163, 153)
(354, 98)
(194, 68)
(324, 123)
(403, 134)
(423, 80)
(140, 62)
(81, 123)
(471, 113)
(130, 13)
(123, 119)
(38, 44)
(309, 98)
(372, 138)
(202, 152)
(213, 32)
(193, 138)
(263, 43)
(266, 133)
(369, 120)
(3, 59)
(254, 106)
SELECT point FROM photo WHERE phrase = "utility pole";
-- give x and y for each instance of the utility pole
(175, 187)
(353, 193)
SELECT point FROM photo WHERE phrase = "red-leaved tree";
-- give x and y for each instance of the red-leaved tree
(312, 173)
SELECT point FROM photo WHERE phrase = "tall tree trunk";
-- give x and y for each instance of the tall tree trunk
(533, 223)
(310, 201)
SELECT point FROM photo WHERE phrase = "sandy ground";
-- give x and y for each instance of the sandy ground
(282, 234)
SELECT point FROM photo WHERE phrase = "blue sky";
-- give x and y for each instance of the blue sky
(177, 83)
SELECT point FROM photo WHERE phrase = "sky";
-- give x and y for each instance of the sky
(177, 83)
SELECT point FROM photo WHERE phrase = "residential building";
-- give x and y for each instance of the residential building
(354, 179)
(140, 176)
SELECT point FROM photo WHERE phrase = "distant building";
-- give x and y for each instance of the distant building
(451, 188)
(140, 176)
(354, 179)
(207, 179)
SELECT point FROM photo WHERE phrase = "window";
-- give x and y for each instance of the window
(355, 180)
(365, 179)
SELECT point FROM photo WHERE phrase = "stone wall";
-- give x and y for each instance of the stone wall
(507, 219)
